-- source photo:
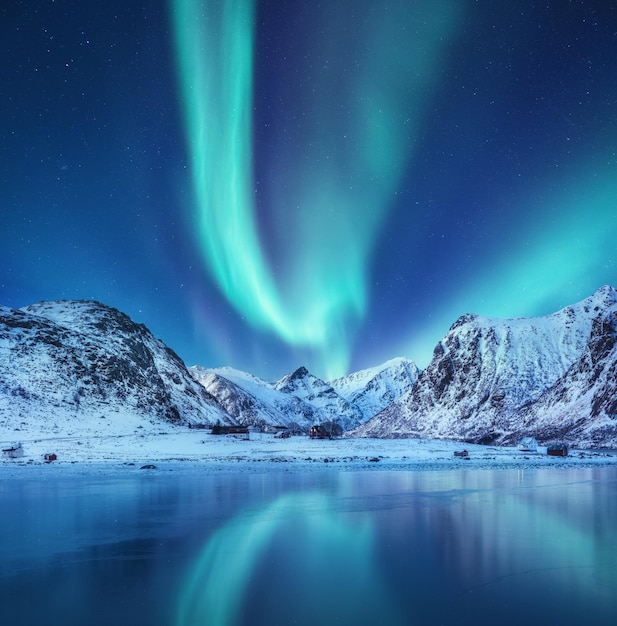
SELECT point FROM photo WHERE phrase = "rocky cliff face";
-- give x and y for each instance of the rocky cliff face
(78, 361)
(493, 381)
(302, 399)
(372, 390)
(582, 405)
(68, 363)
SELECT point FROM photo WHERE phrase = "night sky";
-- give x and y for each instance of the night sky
(276, 183)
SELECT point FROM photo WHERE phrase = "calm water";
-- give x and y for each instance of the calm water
(415, 548)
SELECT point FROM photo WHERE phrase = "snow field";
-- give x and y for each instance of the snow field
(175, 448)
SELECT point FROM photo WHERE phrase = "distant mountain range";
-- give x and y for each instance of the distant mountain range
(302, 399)
(67, 365)
(69, 362)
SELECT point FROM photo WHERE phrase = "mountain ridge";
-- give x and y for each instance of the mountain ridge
(487, 374)
(489, 381)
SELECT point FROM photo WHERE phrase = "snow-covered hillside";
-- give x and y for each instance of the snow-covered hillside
(373, 389)
(76, 366)
(303, 399)
(495, 380)
(72, 367)
(582, 405)
(253, 401)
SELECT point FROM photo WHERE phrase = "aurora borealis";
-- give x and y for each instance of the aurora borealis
(268, 184)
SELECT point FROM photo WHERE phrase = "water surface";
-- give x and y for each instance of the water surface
(425, 548)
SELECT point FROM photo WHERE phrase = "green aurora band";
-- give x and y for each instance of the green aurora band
(330, 550)
(569, 244)
(338, 172)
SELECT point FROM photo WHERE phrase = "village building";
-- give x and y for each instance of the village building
(528, 444)
(559, 449)
(16, 451)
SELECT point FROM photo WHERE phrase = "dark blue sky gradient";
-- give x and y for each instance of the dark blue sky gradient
(507, 206)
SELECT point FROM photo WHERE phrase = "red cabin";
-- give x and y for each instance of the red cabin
(557, 450)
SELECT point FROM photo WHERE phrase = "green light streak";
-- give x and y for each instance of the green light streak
(561, 256)
(321, 550)
(569, 249)
(215, 50)
(338, 172)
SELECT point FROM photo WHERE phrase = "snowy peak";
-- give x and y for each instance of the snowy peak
(373, 389)
(301, 383)
(605, 296)
(320, 395)
(86, 316)
(303, 399)
(486, 373)
(72, 361)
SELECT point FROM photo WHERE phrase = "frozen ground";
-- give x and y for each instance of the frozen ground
(170, 448)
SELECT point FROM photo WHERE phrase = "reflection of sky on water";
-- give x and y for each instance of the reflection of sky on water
(377, 547)
(533, 539)
(417, 545)
(312, 558)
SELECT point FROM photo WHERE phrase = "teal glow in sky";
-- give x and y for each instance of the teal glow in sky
(338, 170)
(271, 184)
(569, 244)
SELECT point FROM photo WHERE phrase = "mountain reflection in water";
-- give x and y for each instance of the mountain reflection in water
(184, 548)
(315, 562)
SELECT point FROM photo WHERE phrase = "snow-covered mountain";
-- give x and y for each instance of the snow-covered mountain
(373, 389)
(252, 401)
(70, 364)
(582, 405)
(304, 399)
(329, 405)
(495, 380)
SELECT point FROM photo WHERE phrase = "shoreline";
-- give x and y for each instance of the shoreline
(191, 452)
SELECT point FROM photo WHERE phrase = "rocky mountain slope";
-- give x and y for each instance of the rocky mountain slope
(302, 399)
(76, 366)
(69, 364)
(372, 390)
(493, 380)
(582, 405)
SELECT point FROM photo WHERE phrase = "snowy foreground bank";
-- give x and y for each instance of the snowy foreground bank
(192, 450)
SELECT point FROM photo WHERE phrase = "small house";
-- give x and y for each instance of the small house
(50, 456)
(239, 430)
(559, 449)
(235, 429)
(319, 432)
(16, 451)
(528, 444)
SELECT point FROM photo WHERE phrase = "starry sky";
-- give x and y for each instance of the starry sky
(267, 184)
